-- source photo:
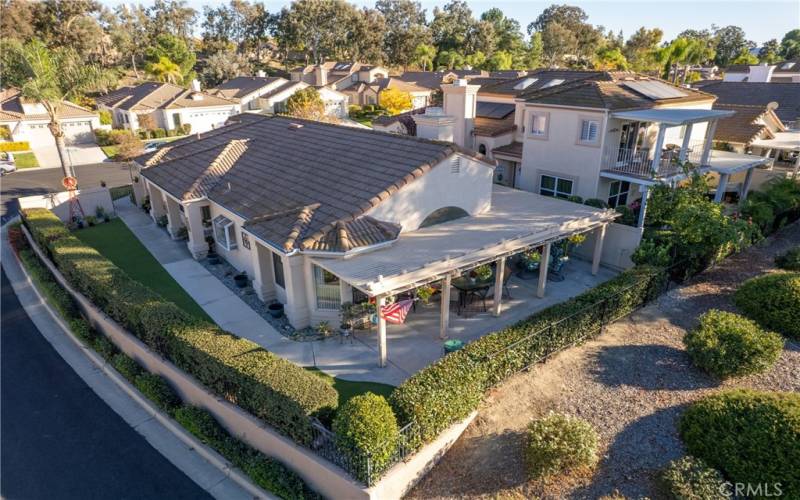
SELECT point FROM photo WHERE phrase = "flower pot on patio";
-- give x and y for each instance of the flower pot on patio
(240, 280)
(275, 310)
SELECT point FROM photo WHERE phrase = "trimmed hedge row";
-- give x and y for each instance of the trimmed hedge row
(271, 388)
(15, 146)
(451, 388)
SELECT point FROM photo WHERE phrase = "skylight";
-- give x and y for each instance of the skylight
(553, 83)
(524, 84)
(788, 65)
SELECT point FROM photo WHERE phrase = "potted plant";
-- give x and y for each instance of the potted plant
(275, 310)
(162, 221)
(531, 260)
(91, 220)
(424, 293)
(324, 329)
(482, 272)
(240, 279)
(573, 241)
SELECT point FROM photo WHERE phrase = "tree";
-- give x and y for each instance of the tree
(745, 57)
(476, 60)
(571, 34)
(70, 24)
(557, 42)
(239, 25)
(499, 61)
(307, 104)
(449, 59)
(128, 147)
(770, 52)
(171, 17)
(369, 28)
(424, 55)
(790, 45)
(641, 48)
(50, 77)
(224, 66)
(175, 50)
(322, 27)
(535, 52)
(405, 29)
(395, 101)
(16, 21)
(508, 32)
(165, 70)
(130, 33)
(608, 58)
(452, 25)
(730, 42)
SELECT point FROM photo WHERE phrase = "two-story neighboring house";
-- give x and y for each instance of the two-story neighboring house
(354, 80)
(167, 106)
(781, 72)
(249, 91)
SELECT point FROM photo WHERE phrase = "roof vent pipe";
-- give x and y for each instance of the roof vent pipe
(295, 126)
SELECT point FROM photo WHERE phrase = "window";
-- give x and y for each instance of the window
(327, 289)
(618, 193)
(277, 267)
(551, 185)
(205, 214)
(245, 240)
(589, 130)
(224, 232)
(553, 83)
(539, 124)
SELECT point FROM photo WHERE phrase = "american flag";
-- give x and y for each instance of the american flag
(396, 313)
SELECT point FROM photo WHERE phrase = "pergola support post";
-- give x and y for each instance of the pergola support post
(444, 317)
(382, 355)
(687, 134)
(723, 183)
(711, 130)
(796, 166)
(499, 273)
(600, 236)
(544, 263)
(748, 179)
(643, 206)
(655, 166)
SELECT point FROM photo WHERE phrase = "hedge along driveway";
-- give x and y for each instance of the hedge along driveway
(118, 244)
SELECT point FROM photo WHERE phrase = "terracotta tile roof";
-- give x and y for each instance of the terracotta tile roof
(743, 127)
(513, 149)
(787, 95)
(541, 78)
(11, 108)
(434, 79)
(238, 87)
(149, 96)
(491, 127)
(296, 181)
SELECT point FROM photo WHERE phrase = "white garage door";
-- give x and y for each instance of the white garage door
(78, 132)
(39, 136)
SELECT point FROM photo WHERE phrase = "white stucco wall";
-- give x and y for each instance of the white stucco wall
(201, 119)
(241, 258)
(469, 189)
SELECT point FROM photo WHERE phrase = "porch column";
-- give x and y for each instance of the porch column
(600, 236)
(662, 130)
(723, 183)
(748, 179)
(643, 208)
(796, 166)
(544, 263)
(157, 208)
(499, 272)
(174, 222)
(444, 317)
(194, 221)
(710, 132)
(382, 357)
(687, 134)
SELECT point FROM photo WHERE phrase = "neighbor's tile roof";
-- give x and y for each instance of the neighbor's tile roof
(238, 87)
(743, 126)
(745, 68)
(610, 94)
(149, 96)
(513, 149)
(393, 82)
(505, 86)
(11, 108)
(787, 95)
(293, 185)
(491, 127)
(433, 79)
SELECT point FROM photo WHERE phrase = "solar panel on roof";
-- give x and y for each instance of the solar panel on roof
(495, 110)
(654, 89)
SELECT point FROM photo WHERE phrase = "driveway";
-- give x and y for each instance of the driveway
(60, 440)
(84, 154)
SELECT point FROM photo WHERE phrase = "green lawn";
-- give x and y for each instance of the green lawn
(25, 160)
(116, 242)
(347, 389)
(110, 151)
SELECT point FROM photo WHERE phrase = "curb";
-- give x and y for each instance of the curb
(214, 459)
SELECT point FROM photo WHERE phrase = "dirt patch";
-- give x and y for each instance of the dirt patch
(632, 383)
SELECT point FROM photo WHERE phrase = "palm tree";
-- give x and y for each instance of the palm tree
(51, 77)
(424, 55)
(698, 52)
(165, 70)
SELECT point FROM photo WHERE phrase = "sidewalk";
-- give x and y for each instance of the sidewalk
(356, 361)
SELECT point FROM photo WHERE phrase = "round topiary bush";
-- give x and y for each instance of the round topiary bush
(557, 443)
(689, 478)
(750, 436)
(789, 260)
(366, 427)
(729, 345)
(773, 301)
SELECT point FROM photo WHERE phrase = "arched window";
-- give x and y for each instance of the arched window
(482, 149)
(443, 215)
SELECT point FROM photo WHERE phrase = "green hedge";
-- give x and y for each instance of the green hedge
(789, 260)
(15, 146)
(271, 388)
(751, 437)
(690, 478)
(773, 301)
(557, 443)
(451, 388)
(728, 345)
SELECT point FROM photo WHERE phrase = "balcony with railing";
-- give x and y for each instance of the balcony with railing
(638, 162)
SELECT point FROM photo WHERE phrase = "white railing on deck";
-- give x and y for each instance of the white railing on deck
(639, 161)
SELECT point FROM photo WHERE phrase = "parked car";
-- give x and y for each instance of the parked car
(7, 164)
(151, 147)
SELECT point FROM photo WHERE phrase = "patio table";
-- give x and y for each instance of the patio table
(468, 288)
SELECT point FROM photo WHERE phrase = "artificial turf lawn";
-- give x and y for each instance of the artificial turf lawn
(347, 388)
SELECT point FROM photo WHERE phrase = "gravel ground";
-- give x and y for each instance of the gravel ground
(631, 383)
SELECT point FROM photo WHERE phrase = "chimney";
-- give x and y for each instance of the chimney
(460, 100)
(434, 125)
(196, 85)
(261, 73)
(320, 75)
(760, 73)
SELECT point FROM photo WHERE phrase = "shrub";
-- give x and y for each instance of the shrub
(689, 478)
(596, 203)
(159, 133)
(652, 252)
(557, 443)
(271, 388)
(789, 260)
(48, 227)
(105, 117)
(14, 146)
(158, 391)
(366, 426)
(628, 216)
(751, 437)
(760, 212)
(773, 301)
(126, 366)
(575, 198)
(728, 345)
(447, 391)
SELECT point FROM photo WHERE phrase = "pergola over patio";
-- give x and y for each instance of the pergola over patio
(517, 221)
(784, 141)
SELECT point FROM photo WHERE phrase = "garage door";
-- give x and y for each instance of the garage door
(78, 132)
(39, 136)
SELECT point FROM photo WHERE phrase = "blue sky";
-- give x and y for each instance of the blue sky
(761, 19)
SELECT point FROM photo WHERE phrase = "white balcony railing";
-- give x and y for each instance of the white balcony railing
(639, 161)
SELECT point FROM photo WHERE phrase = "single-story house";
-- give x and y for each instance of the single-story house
(168, 106)
(319, 214)
(337, 74)
(363, 93)
(27, 121)
(247, 90)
